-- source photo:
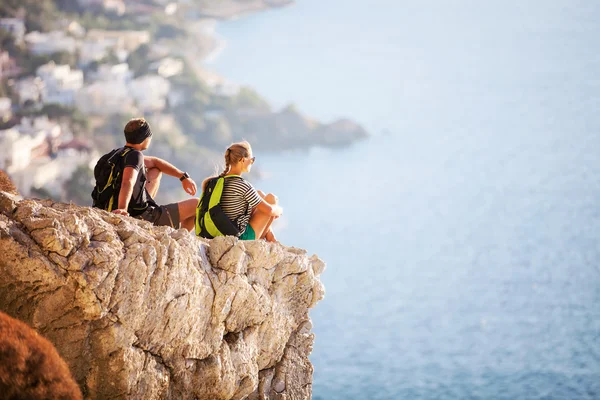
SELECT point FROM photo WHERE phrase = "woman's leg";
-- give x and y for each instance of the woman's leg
(153, 176)
(261, 222)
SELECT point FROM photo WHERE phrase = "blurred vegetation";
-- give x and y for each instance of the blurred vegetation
(249, 98)
(99, 20)
(79, 122)
(69, 6)
(41, 193)
(196, 96)
(168, 31)
(138, 60)
(29, 62)
(40, 15)
(78, 188)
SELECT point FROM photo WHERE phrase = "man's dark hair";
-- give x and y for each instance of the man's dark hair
(137, 130)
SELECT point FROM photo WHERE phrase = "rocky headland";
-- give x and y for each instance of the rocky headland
(144, 312)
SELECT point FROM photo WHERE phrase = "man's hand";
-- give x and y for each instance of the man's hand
(120, 211)
(189, 186)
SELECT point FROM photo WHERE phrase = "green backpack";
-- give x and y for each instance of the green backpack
(211, 221)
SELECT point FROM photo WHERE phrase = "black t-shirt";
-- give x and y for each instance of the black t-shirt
(140, 199)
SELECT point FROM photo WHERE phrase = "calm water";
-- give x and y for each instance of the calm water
(463, 239)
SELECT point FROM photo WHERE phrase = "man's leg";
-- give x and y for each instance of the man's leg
(153, 176)
(187, 213)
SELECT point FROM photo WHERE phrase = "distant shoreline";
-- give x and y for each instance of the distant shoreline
(210, 44)
(205, 45)
(235, 11)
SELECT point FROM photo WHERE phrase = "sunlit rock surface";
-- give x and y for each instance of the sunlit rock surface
(148, 312)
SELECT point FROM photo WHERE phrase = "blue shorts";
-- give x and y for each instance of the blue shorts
(248, 234)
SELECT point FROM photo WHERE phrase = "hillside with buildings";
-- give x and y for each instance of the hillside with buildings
(73, 71)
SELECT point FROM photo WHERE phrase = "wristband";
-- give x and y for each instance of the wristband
(184, 176)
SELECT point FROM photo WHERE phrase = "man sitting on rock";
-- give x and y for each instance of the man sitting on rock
(141, 179)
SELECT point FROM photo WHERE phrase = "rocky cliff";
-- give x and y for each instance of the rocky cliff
(148, 312)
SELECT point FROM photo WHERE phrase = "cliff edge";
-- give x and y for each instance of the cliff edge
(146, 312)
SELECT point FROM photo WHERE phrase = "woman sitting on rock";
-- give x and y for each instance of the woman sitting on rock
(248, 212)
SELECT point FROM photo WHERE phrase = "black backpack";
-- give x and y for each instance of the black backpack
(108, 173)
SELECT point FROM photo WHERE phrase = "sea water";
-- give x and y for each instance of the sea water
(462, 240)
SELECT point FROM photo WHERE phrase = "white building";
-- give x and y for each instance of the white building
(129, 40)
(167, 67)
(95, 50)
(15, 26)
(51, 42)
(75, 29)
(104, 99)
(150, 92)
(52, 173)
(61, 83)
(115, 73)
(5, 109)
(21, 145)
(32, 160)
(16, 149)
(29, 90)
(114, 6)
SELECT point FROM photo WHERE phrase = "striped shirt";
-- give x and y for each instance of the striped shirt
(238, 200)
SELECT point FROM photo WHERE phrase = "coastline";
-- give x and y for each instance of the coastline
(206, 45)
(234, 10)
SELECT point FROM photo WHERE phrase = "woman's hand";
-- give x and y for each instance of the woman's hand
(277, 211)
(189, 186)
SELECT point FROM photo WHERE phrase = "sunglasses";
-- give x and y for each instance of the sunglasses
(252, 160)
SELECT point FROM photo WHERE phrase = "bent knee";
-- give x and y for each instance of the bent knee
(271, 198)
(187, 208)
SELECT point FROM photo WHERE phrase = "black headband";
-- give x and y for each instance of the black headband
(139, 135)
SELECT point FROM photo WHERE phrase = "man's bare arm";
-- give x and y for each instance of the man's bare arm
(164, 166)
(169, 169)
(129, 176)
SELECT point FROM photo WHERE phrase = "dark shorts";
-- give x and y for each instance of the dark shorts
(167, 215)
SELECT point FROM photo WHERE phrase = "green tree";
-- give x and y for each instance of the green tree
(169, 31)
(80, 123)
(56, 111)
(249, 98)
(138, 60)
(40, 15)
(7, 42)
(109, 58)
(41, 193)
(70, 6)
(219, 132)
(78, 188)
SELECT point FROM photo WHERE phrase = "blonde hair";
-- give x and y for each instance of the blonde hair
(234, 154)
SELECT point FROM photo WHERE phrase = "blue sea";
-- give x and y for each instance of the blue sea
(462, 239)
